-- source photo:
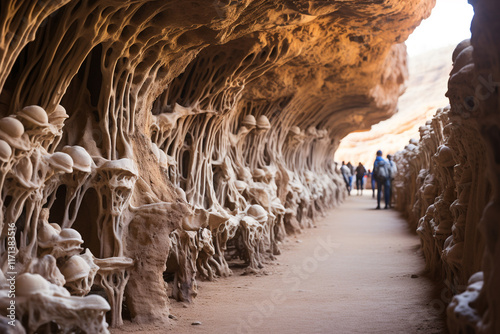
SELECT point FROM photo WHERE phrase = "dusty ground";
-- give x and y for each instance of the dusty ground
(359, 271)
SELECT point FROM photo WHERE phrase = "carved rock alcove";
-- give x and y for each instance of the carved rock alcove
(191, 133)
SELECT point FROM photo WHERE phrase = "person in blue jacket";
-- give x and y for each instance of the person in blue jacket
(382, 174)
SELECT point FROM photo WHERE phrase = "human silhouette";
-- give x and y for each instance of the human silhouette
(382, 174)
(360, 174)
(346, 174)
(394, 170)
(372, 181)
(351, 175)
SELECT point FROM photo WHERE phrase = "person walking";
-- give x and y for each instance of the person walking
(352, 173)
(372, 182)
(360, 174)
(346, 174)
(382, 174)
(394, 170)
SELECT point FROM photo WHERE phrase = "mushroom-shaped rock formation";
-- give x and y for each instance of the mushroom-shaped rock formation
(249, 121)
(258, 213)
(81, 159)
(5, 151)
(76, 272)
(67, 243)
(11, 130)
(61, 162)
(263, 123)
(11, 127)
(33, 116)
(29, 284)
(58, 115)
(41, 303)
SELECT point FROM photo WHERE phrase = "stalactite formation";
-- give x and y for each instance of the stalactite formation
(448, 182)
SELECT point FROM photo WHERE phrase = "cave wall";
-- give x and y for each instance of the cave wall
(442, 190)
(448, 183)
(145, 141)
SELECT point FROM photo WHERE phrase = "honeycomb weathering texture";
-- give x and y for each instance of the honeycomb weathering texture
(448, 182)
(144, 141)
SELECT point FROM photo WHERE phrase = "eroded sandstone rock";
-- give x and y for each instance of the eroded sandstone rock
(453, 172)
(191, 134)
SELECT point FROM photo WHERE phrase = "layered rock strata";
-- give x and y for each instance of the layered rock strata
(166, 139)
(448, 185)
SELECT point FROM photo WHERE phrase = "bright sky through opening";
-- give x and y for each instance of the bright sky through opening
(449, 23)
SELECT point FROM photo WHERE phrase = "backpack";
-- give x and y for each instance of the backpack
(382, 171)
(393, 169)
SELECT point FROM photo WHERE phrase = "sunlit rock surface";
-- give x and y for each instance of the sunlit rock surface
(425, 92)
(143, 144)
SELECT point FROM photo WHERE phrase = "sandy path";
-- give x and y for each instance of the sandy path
(351, 274)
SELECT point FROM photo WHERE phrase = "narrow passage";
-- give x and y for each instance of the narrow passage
(359, 271)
